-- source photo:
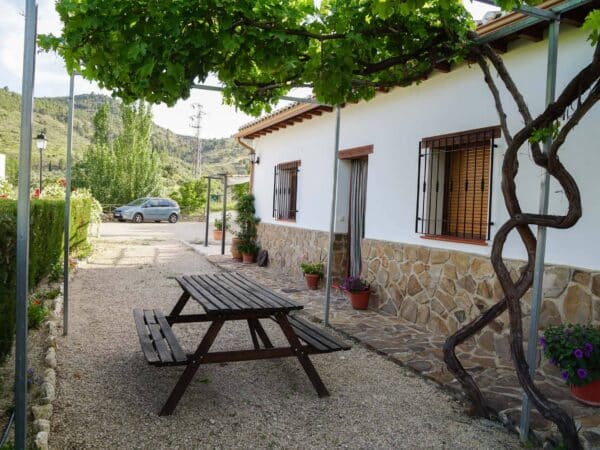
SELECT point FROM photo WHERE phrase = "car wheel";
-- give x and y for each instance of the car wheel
(138, 218)
(173, 218)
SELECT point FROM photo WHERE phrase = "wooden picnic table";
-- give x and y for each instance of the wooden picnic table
(230, 296)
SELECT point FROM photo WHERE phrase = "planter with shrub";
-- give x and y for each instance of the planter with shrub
(312, 274)
(248, 249)
(575, 350)
(358, 292)
(247, 222)
(218, 227)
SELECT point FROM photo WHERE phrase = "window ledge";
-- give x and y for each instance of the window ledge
(459, 240)
(285, 220)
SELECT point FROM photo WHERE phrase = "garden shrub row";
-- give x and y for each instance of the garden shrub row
(45, 250)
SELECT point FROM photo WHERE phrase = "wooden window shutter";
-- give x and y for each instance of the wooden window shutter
(453, 196)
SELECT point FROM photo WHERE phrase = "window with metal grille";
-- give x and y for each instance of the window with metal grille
(285, 190)
(453, 195)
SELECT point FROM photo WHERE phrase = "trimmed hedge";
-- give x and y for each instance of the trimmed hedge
(45, 249)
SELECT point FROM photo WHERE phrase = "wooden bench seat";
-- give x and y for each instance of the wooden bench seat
(317, 339)
(159, 344)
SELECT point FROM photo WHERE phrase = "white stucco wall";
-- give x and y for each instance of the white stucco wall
(445, 103)
(2, 166)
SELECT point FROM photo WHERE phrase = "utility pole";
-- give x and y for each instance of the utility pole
(196, 123)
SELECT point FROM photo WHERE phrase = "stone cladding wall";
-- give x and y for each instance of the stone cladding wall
(288, 246)
(443, 290)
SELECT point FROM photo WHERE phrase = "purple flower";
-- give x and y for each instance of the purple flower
(582, 373)
(543, 342)
(588, 347)
(578, 353)
(564, 375)
(588, 355)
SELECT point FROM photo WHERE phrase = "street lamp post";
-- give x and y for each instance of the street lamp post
(41, 143)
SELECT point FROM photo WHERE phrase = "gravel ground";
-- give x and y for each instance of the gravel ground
(109, 397)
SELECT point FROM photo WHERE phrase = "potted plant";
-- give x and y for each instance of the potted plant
(218, 227)
(312, 273)
(247, 222)
(235, 251)
(248, 250)
(358, 291)
(575, 350)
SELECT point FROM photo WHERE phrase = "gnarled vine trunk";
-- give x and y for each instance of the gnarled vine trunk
(584, 89)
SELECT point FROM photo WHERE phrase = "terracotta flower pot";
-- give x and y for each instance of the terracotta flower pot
(235, 253)
(247, 258)
(359, 300)
(588, 393)
(312, 280)
(217, 235)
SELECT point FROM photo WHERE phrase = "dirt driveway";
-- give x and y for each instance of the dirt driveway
(109, 397)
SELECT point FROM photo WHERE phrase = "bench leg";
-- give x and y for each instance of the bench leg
(191, 368)
(261, 333)
(253, 334)
(302, 355)
(178, 307)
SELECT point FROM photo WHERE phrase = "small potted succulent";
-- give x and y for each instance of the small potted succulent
(248, 249)
(575, 350)
(358, 291)
(312, 273)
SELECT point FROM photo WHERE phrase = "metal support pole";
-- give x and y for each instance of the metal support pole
(332, 218)
(23, 205)
(224, 214)
(68, 207)
(207, 213)
(538, 276)
(41, 165)
(206, 87)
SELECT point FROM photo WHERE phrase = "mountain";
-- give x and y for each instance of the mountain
(50, 114)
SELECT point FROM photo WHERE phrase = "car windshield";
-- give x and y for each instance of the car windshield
(137, 202)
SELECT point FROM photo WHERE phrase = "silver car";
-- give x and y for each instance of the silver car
(148, 209)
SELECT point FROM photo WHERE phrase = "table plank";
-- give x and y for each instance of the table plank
(149, 316)
(303, 325)
(231, 293)
(245, 295)
(176, 349)
(144, 336)
(208, 301)
(257, 289)
(159, 342)
(217, 290)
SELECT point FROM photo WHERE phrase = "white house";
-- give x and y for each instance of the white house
(419, 197)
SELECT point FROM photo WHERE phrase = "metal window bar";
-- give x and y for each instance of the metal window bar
(454, 180)
(285, 190)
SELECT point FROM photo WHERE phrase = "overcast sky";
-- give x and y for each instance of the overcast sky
(52, 79)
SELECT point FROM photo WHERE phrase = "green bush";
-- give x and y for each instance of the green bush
(81, 211)
(36, 313)
(45, 249)
(191, 196)
(240, 190)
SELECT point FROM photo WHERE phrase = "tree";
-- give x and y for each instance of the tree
(191, 196)
(344, 50)
(125, 168)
